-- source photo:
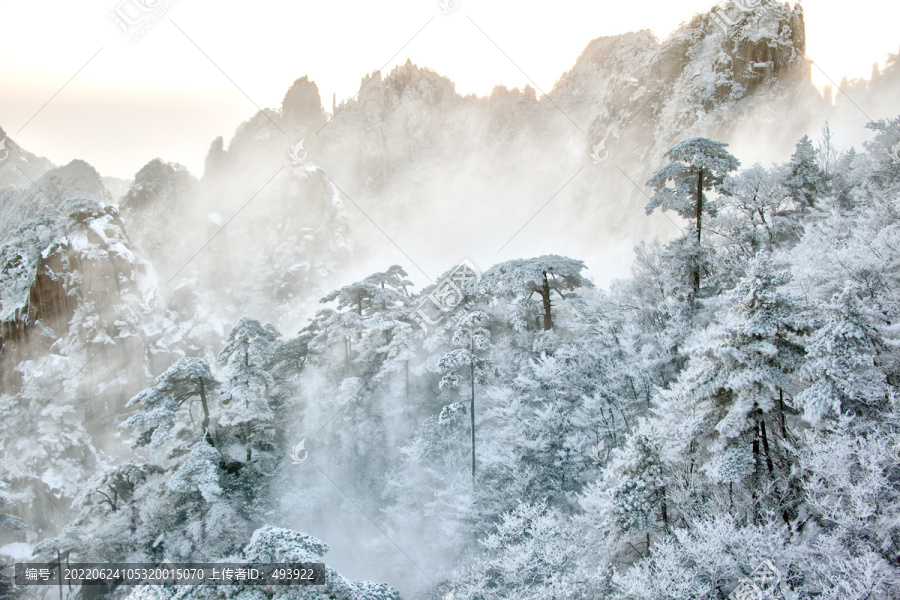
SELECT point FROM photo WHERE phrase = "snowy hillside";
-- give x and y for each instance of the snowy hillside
(678, 379)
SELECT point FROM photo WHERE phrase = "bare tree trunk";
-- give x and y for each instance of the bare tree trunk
(781, 410)
(696, 266)
(545, 296)
(472, 372)
(665, 510)
(756, 465)
(691, 469)
(765, 443)
(407, 379)
(205, 405)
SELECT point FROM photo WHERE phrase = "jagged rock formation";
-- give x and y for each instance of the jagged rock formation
(415, 152)
(157, 199)
(70, 285)
(76, 179)
(18, 167)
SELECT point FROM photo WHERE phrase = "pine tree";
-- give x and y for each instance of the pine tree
(161, 417)
(839, 373)
(697, 165)
(523, 278)
(373, 293)
(805, 179)
(719, 413)
(630, 495)
(470, 336)
(244, 397)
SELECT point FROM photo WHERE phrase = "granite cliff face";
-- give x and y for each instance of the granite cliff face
(57, 230)
(642, 95)
(70, 284)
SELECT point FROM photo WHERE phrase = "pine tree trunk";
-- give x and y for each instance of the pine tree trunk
(786, 510)
(472, 372)
(699, 203)
(665, 510)
(248, 442)
(756, 465)
(765, 443)
(691, 469)
(696, 266)
(205, 406)
(781, 410)
(756, 460)
(545, 296)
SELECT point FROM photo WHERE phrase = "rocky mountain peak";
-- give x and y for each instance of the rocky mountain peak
(301, 109)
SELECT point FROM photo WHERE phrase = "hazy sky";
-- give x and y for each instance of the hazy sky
(171, 92)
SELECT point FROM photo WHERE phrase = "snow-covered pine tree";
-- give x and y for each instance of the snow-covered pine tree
(107, 526)
(697, 165)
(373, 293)
(720, 412)
(804, 178)
(245, 405)
(162, 417)
(839, 374)
(471, 337)
(523, 278)
(630, 496)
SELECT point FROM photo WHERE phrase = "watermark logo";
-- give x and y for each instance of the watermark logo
(895, 153)
(5, 452)
(600, 153)
(720, 15)
(148, 305)
(448, 6)
(596, 456)
(765, 576)
(296, 450)
(447, 295)
(298, 153)
(5, 152)
(136, 17)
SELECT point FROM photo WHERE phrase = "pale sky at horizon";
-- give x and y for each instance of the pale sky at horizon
(161, 97)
